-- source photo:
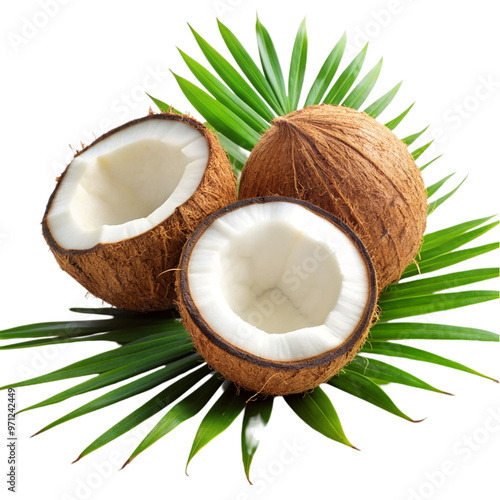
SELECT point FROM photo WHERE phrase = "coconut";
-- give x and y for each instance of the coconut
(277, 294)
(125, 205)
(350, 165)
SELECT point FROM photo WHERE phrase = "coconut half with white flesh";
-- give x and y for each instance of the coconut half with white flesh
(277, 294)
(125, 206)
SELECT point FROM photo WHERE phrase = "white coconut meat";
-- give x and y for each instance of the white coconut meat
(128, 183)
(278, 281)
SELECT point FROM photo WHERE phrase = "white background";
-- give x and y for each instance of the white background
(84, 71)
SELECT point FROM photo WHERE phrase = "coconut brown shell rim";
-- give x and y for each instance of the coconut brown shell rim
(160, 116)
(210, 334)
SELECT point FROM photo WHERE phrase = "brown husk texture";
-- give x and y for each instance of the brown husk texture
(350, 165)
(253, 373)
(262, 379)
(138, 273)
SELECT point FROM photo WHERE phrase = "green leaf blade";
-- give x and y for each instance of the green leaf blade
(326, 73)
(361, 92)
(435, 204)
(379, 371)
(109, 360)
(376, 108)
(157, 403)
(271, 65)
(429, 331)
(409, 140)
(160, 357)
(256, 417)
(250, 69)
(220, 92)
(436, 238)
(317, 411)
(219, 116)
(448, 259)
(346, 79)
(391, 125)
(362, 387)
(408, 352)
(232, 78)
(427, 304)
(163, 106)
(431, 190)
(427, 286)
(220, 416)
(421, 150)
(131, 389)
(297, 67)
(182, 411)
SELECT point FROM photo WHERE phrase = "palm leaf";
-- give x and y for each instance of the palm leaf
(362, 387)
(423, 167)
(157, 403)
(182, 411)
(376, 108)
(232, 78)
(361, 92)
(405, 351)
(458, 241)
(297, 67)
(440, 201)
(256, 417)
(426, 304)
(125, 371)
(437, 238)
(391, 125)
(107, 361)
(162, 106)
(223, 119)
(435, 187)
(222, 414)
(74, 328)
(326, 73)
(421, 150)
(123, 313)
(131, 389)
(250, 69)
(123, 337)
(377, 370)
(317, 411)
(409, 140)
(431, 331)
(447, 260)
(346, 79)
(271, 65)
(230, 100)
(428, 286)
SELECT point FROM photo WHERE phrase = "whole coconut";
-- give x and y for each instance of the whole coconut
(350, 165)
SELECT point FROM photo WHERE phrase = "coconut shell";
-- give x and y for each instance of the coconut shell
(347, 163)
(138, 273)
(254, 373)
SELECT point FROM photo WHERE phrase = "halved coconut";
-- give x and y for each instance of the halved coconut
(124, 207)
(277, 294)
(352, 166)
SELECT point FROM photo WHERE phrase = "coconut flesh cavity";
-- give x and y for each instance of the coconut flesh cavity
(124, 207)
(127, 184)
(277, 294)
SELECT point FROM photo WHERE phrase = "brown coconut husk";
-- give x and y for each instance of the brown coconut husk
(347, 163)
(138, 273)
(256, 374)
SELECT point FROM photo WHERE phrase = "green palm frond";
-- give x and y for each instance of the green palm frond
(239, 105)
